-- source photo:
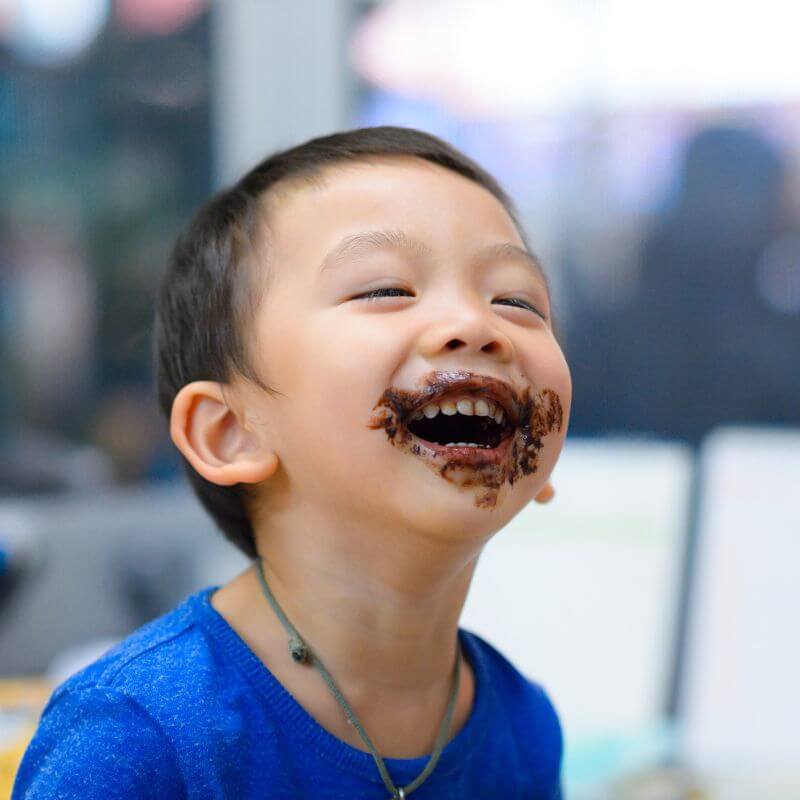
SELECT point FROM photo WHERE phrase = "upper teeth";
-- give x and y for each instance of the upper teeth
(463, 405)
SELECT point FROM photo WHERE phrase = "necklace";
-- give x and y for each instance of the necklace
(301, 653)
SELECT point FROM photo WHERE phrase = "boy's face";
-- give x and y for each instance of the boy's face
(354, 374)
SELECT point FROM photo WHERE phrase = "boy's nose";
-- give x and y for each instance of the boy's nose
(471, 332)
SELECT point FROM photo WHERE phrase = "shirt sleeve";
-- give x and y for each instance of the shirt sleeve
(95, 742)
(550, 735)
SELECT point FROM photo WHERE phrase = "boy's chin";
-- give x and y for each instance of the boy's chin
(464, 487)
(463, 512)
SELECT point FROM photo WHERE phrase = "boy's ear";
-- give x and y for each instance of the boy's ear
(213, 439)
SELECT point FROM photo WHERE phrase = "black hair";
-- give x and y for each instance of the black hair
(208, 296)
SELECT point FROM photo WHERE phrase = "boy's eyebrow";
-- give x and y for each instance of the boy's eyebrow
(359, 244)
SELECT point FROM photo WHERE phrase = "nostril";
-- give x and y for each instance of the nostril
(453, 344)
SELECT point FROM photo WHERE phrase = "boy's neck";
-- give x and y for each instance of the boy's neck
(383, 619)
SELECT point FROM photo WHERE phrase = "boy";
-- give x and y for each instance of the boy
(355, 350)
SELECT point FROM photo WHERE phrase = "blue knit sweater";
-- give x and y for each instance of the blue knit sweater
(182, 708)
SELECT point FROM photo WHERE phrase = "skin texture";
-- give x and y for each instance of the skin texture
(368, 549)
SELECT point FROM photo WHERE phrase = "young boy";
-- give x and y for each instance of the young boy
(355, 350)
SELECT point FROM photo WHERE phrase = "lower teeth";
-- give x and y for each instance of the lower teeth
(468, 444)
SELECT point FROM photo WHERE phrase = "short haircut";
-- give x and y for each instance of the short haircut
(208, 297)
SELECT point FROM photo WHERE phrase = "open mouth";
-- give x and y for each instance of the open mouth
(459, 419)
(467, 423)
(452, 428)
(474, 430)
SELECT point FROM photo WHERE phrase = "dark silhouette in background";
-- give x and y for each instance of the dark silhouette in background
(101, 161)
(711, 334)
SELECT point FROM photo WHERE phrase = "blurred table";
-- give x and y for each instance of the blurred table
(22, 701)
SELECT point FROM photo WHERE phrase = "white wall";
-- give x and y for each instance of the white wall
(280, 77)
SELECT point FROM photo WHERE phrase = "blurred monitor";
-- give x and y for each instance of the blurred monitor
(582, 595)
(108, 562)
(740, 703)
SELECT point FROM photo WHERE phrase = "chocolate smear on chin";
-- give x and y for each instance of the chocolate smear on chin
(539, 413)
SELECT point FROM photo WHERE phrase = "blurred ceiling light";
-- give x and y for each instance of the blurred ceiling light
(686, 53)
(550, 56)
(6, 10)
(160, 17)
(52, 32)
(475, 57)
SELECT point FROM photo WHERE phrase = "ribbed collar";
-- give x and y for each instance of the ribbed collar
(310, 734)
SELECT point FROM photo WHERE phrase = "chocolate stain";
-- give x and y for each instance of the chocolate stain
(536, 415)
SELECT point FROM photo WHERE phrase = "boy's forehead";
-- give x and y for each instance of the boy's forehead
(400, 193)
(339, 176)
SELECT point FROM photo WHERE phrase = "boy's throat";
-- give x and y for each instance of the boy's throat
(403, 728)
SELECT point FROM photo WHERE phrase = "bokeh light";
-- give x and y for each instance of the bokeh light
(51, 32)
(159, 17)
(509, 57)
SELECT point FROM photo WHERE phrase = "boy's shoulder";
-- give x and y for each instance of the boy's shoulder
(150, 637)
(148, 657)
(530, 710)
(505, 676)
(109, 730)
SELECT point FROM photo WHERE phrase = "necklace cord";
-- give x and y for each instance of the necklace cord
(300, 652)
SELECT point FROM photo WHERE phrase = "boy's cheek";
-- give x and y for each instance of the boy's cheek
(550, 370)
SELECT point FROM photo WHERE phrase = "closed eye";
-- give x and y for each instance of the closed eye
(371, 295)
(515, 301)
(393, 291)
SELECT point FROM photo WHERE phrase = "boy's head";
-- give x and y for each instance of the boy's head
(288, 386)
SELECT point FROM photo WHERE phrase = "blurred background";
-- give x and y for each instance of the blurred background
(653, 151)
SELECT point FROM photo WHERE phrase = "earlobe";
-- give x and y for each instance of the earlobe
(214, 441)
(546, 493)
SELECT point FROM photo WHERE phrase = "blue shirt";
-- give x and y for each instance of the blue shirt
(183, 708)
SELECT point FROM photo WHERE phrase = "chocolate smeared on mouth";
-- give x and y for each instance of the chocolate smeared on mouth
(513, 446)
